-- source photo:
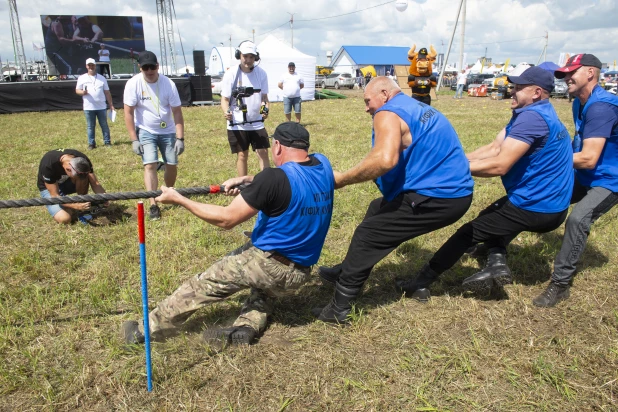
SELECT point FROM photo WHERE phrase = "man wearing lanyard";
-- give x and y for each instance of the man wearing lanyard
(153, 117)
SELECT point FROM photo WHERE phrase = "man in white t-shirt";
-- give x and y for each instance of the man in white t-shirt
(461, 82)
(153, 116)
(291, 83)
(104, 58)
(244, 101)
(95, 91)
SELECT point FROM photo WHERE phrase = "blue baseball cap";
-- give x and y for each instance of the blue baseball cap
(535, 75)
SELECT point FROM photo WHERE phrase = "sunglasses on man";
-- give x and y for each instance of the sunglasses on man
(148, 67)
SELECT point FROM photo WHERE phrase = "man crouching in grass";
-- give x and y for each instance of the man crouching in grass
(294, 205)
(63, 172)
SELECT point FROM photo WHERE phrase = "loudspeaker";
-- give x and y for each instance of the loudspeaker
(199, 63)
(201, 89)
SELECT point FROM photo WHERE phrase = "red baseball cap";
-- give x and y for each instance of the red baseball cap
(576, 62)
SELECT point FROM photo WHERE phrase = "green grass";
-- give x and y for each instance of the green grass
(64, 292)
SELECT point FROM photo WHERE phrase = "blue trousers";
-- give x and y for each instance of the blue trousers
(91, 122)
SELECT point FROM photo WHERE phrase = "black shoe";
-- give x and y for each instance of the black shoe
(132, 333)
(330, 275)
(92, 146)
(553, 295)
(495, 273)
(418, 287)
(479, 251)
(107, 145)
(155, 212)
(235, 335)
(339, 308)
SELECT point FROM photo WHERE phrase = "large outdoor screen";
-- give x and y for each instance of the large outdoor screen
(71, 39)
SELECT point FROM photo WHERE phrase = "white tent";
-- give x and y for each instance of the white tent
(274, 58)
(221, 59)
(519, 69)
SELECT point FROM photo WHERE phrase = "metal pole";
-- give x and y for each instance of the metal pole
(142, 262)
(450, 43)
(463, 35)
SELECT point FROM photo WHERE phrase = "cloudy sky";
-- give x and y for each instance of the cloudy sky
(507, 29)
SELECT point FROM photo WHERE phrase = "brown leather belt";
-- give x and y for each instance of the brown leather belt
(282, 259)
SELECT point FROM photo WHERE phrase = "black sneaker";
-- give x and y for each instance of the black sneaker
(553, 295)
(155, 212)
(92, 146)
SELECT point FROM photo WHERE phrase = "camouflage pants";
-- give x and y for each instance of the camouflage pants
(246, 267)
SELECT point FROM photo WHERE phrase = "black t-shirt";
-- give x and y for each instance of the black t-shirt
(270, 191)
(51, 170)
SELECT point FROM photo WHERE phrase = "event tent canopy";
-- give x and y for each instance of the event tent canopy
(274, 58)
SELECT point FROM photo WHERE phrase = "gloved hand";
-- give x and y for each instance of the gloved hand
(179, 147)
(137, 148)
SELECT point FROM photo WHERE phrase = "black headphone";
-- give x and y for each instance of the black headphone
(237, 52)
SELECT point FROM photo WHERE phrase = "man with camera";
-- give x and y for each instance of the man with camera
(244, 101)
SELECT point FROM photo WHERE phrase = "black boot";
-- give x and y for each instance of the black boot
(418, 288)
(339, 308)
(496, 273)
(553, 295)
(330, 274)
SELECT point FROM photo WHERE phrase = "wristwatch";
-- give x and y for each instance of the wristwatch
(182, 139)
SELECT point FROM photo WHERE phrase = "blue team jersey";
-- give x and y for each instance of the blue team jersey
(435, 164)
(605, 174)
(542, 181)
(300, 231)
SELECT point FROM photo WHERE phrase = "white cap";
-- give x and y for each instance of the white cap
(248, 47)
(90, 61)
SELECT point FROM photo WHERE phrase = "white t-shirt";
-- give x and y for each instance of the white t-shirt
(291, 84)
(153, 103)
(95, 85)
(103, 55)
(257, 79)
(461, 78)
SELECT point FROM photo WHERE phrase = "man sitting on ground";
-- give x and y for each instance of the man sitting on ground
(63, 172)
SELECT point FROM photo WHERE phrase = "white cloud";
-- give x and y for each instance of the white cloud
(572, 25)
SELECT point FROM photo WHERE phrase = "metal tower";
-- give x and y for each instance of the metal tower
(166, 35)
(18, 45)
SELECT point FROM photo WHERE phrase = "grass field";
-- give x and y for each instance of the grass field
(64, 291)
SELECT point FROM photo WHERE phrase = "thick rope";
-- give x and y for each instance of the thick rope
(104, 197)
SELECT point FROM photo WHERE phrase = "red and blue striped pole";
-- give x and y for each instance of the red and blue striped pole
(142, 262)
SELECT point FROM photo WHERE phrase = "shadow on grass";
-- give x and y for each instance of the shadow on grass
(529, 264)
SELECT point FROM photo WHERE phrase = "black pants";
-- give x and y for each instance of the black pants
(388, 224)
(496, 226)
(422, 99)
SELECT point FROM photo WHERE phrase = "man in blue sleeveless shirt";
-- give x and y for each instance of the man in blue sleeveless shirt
(595, 159)
(532, 154)
(419, 166)
(294, 205)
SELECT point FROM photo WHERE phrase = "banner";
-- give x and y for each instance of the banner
(71, 39)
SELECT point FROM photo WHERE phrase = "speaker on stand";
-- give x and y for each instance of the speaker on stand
(199, 63)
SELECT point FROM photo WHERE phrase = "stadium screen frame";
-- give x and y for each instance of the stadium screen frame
(67, 54)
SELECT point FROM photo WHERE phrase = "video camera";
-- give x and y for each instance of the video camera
(239, 93)
(242, 91)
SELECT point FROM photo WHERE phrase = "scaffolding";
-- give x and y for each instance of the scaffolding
(18, 45)
(166, 36)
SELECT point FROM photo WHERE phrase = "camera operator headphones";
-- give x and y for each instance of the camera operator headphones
(237, 52)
